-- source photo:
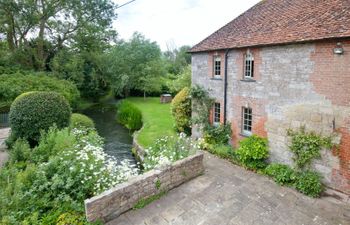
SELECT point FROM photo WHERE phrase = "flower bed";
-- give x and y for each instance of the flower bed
(49, 183)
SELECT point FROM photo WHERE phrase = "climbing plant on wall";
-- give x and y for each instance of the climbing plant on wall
(306, 146)
(202, 104)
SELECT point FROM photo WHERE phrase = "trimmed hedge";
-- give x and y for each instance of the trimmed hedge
(13, 85)
(129, 115)
(34, 112)
(78, 120)
(181, 111)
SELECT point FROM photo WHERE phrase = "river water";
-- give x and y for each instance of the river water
(118, 139)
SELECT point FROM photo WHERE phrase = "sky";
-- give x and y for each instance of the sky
(173, 23)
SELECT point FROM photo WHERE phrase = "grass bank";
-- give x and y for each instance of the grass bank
(157, 120)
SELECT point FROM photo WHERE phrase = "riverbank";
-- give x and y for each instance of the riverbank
(157, 120)
(118, 139)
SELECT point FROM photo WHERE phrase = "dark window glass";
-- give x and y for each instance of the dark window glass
(247, 120)
(216, 112)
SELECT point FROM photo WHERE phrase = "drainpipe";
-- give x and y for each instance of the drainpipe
(225, 86)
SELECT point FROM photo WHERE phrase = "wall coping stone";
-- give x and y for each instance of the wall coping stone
(121, 198)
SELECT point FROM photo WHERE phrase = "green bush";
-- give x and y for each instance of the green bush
(223, 151)
(181, 111)
(71, 218)
(217, 135)
(252, 152)
(282, 174)
(129, 115)
(13, 85)
(34, 112)
(51, 189)
(20, 151)
(309, 183)
(79, 120)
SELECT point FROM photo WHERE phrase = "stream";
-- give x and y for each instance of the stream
(118, 139)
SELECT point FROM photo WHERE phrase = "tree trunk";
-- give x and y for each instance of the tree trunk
(144, 95)
(10, 35)
(40, 57)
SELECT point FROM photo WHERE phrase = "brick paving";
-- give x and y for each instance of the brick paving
(228, 194)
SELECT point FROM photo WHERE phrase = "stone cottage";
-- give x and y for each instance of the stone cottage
(283, 64)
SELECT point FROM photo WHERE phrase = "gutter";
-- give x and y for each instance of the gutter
(225, 86)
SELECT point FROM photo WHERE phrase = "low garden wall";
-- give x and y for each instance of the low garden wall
(112, 203)
(138, 151)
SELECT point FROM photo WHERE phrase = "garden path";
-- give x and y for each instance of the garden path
(4, 133)
(228, 194)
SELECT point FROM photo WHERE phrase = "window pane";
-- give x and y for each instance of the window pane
(247, 119)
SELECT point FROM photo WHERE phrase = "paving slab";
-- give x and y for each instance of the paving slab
(229, 194)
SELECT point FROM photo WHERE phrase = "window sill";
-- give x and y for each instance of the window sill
(245, 134)
(248, 80)
(215, 78)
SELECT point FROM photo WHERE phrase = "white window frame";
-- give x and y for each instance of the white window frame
(217, 68)
(247, 120)
(249, 65)
(216, 113)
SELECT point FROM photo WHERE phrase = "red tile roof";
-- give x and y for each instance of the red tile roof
(273, 22)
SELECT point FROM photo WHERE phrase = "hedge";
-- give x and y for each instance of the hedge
(33, 112)
(13, 85)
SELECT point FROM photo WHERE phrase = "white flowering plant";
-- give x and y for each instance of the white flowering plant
(169, 149)
(66, 167)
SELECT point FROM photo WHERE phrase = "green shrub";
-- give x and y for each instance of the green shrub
(79, 120)
(51, 189)
(34, 112)
(51, 143)
(71, 218)
(129, 115)
(252, 152)
(282, 174)
(20, 151)
(309, 183)
(13, 85)
(181, 111)
(223, 151)
(217, 135)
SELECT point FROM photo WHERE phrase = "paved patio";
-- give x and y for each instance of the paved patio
(228, 194)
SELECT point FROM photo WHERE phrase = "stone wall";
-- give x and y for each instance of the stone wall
(112, 203)
(294, 85)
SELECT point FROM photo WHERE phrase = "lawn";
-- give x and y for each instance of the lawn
(157, 120)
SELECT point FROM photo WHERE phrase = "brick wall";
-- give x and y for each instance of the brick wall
(295, 85)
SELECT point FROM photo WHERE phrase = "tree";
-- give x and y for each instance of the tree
(32, 24)
(182, 80)
(177, 59)
(135, 65)
(86, 69)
